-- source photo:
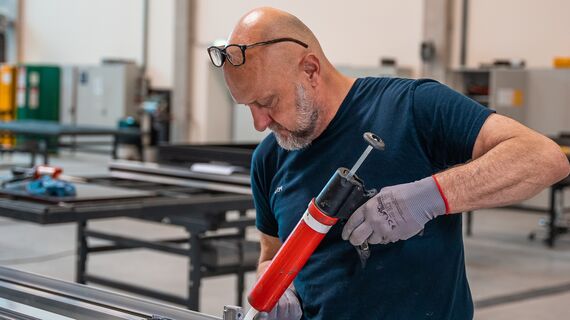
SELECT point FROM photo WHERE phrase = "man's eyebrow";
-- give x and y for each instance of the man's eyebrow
(236, 101)
(248, 103)
(257, 101)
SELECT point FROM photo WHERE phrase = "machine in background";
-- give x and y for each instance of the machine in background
(113, 95)
(99, 94)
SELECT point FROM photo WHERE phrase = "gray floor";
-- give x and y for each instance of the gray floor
(510, 277)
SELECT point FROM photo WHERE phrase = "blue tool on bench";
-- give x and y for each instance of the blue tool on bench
(42, 181)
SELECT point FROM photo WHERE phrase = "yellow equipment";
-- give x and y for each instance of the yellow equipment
(561, 62)
(7, 99)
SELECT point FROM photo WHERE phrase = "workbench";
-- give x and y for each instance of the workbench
(39, 133)
(159, 193)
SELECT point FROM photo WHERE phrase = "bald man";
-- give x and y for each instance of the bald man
(444, 154)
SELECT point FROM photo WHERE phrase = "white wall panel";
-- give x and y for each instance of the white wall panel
(85, 31)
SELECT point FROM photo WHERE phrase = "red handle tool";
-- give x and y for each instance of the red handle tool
(43, 170)
(292, 256)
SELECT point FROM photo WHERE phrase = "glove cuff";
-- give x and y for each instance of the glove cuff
(440, 189)
(425, 200)
(292, 288)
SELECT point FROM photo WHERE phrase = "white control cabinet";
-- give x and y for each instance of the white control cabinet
(99, 95)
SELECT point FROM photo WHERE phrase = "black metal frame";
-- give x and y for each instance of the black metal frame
(32, 147)
(197, 270)
(186, 154)
(194, 209)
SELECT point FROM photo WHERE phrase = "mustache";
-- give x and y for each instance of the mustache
(302, 133)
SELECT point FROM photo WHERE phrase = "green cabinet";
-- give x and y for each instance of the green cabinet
(38, 92)
(38, 96)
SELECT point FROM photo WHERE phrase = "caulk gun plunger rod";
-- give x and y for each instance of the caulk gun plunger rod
(359, 162)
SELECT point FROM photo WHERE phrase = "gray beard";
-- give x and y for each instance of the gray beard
(306, 121)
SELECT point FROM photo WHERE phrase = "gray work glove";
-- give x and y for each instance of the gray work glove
(396, 213)
(288, 307)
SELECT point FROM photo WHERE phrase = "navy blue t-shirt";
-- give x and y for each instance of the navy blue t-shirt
(427, 128)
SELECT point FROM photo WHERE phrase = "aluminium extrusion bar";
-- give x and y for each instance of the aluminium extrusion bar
(85, 302)
(135, 289)
(214, 186)
(176, 171)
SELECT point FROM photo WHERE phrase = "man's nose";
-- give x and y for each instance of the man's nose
(261, 118)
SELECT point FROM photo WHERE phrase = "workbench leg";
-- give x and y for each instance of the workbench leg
(140, 149)
(195, 272)
(33, 148)
(240, 287)
(33, 158)
(44, 150)
(555, 208)
(241, 273)
(469, 222)
(81, 258)
(114, 152)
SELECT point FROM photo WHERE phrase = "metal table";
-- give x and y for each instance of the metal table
(196, 201)
(41, 131)
(30, 297)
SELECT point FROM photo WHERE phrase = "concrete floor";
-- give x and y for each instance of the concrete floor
(502, 264)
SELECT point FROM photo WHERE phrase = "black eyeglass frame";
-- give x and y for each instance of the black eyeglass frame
(244, 47)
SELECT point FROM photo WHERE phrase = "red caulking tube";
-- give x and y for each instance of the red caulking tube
(289, 260)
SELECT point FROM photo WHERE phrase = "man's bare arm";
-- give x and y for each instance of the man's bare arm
(511, 163)
(269, 247)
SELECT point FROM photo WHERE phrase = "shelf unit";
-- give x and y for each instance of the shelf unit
(501, 89)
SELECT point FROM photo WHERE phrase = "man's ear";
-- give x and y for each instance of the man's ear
(311, 67)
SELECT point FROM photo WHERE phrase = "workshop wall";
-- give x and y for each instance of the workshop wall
(84, 32)
(535, 31)
(359, 33)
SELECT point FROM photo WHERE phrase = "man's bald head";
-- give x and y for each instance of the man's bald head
(267, 23)
(263, 24)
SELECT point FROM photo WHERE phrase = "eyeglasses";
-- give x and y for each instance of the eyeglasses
(235, 53)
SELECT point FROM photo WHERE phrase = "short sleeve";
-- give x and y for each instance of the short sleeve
(265, 220)
(447, 122)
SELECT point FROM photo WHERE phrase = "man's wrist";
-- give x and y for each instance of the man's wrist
(261, 267)
(442, 194)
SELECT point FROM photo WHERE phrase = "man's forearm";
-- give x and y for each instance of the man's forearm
(513, 170)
